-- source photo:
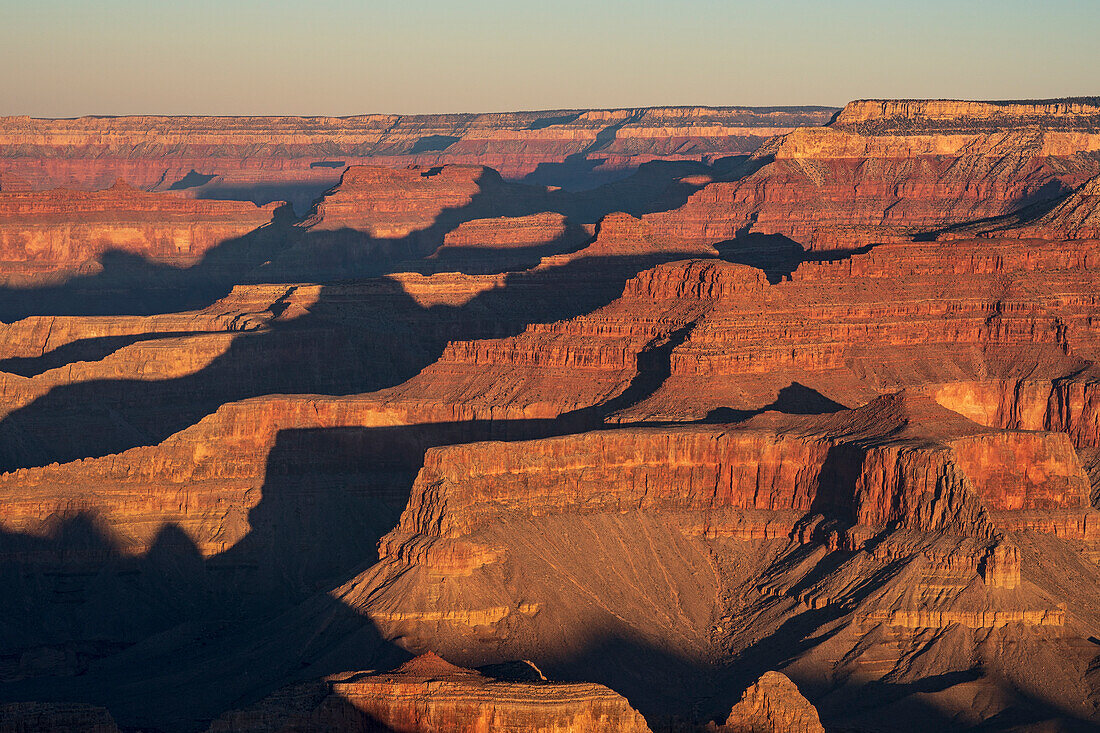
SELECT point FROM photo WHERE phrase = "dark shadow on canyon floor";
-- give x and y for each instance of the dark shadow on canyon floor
(794, 399)
(86, 349)
(284, 251)
(348, 342)
(343, 345)
(193, 179)
(170, 639)
(778, 255)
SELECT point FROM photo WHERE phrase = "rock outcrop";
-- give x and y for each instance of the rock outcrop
(382, 215)
(791, 411)
(45, 235)
(772, 704)
(686, 339)
(1077, 217)
(902, 460)
(915, 116)
(926, 502)
(429, 695)
(505, 243)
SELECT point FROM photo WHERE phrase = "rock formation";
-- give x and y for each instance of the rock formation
(772, 705)
(427, 694)
(879, 171)
(47, 234)
(829, 407)
(1076, 217)
(261, 157)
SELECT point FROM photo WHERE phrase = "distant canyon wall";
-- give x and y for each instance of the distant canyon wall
(269, 158)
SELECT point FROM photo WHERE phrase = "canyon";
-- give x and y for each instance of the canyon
(295, 158)
(674, 419)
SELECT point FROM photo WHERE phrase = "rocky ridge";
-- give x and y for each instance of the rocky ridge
(880, 171)
(262, 158)
(427, 694)
(51, 234)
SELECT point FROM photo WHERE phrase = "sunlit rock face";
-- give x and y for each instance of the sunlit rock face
(296, 158)
(770, 705)
(428, 694)
(882, 170)
(47, 235)
(794, 427)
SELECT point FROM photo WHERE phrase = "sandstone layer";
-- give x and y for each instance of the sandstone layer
(297, 157)
(47, 234)
(880, 171)
(772, 705)
(429, 695)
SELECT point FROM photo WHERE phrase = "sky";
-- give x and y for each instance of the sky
(64, 58)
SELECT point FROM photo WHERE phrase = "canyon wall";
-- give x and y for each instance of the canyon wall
(880, 171)
(48, 234)
(812, 416)
(268, 158)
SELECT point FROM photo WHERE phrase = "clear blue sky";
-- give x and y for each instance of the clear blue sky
(73, 57)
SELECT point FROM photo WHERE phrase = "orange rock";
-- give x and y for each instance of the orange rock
(772, 704)
(276, 152)
(882, 170)
(429, 695)
(45, 234)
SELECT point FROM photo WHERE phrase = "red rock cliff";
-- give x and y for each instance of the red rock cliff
(44, 234)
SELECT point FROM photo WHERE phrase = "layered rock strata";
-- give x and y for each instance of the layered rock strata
(772, 705)
(428, 695)
(928, 504)
(47, 234)
(684, 341)
(883, 170)
(258, 156)
(875, 469)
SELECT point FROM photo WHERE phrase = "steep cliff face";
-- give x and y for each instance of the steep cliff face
(853, 328)
(929, 504)
(46, 234)
(205, 479)
(258, 156)
(37, 338)
(699, 338)
(900, 459)
(555, 368)
(917, 116)
(880, 171)
(390, 203)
